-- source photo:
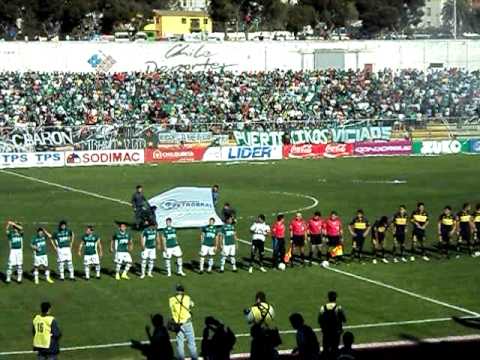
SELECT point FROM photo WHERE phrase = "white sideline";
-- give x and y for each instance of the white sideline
(350, 327)
(345, 273)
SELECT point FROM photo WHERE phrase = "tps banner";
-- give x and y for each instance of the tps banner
(27, 160)
(104, 157)
(373, 148)
(317, 150)
(184, 153)
(440, 147)
(188, 207)
(313, 136)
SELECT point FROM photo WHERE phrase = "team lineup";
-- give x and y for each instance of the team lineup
(323, 236)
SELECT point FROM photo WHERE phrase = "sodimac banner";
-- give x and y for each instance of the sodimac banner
(179, 153)
(376, 148)
(317, 150)
(104, 157)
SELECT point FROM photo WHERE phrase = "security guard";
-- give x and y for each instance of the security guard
(465, 228)
(476, 223)
(46, 334)
(261, 313)
(359, 228)
(181, 308)
(420, 221)
(446, 228)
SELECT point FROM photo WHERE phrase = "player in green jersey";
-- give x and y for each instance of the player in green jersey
(93, 251)
(171, 248)
(121, 245)
(229, 244)
(62, 242)
(15, 241)
(209, 241)
(149, 241)
(40, 258)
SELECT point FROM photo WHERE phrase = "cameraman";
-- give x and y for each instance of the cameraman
(261, 313)
(265, 338)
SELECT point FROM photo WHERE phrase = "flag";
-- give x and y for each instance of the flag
(336, 251)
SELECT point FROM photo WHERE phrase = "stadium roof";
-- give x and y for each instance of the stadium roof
(179, 13)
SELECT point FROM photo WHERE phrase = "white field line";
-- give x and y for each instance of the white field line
(285, 332)
(64, 187)
(374, 282)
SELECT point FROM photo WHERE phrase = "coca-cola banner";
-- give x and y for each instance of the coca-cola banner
(331, 150)
(185, 153)
(373, 148)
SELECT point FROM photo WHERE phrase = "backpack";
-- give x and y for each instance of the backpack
(330, 319)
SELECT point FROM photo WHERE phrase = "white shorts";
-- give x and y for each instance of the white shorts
(64, 254)
(41, 260)
(123, 257)
(207, 250)
(149, 254)
(16, 257)
(229, 250)
(174, 251)
(91, 260)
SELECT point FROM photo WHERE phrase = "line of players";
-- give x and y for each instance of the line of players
(317, 231)
(165, 240)
(465, 225)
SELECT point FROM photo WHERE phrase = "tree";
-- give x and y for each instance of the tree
(465, 16)
(298, 17)
(334, 13)
(223, 11)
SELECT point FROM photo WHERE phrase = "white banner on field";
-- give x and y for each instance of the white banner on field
(188, 207)
(27, 160)
(104, 157)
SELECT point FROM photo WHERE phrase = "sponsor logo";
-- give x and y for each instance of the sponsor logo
(101, 62)
(441, 147)
(301, 150)
(172, 204)
(475, 146)
(106, 157)
(337, 150)
(246, 153)
(160, 155)
(73, 159)
(40, 159)
(399, 147)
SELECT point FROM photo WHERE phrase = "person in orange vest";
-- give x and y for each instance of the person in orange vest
(46, 334)
(298, 237)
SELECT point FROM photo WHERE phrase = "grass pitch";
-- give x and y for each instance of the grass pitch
(106, 311)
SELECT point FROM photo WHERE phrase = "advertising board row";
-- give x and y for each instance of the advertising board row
(196, 153)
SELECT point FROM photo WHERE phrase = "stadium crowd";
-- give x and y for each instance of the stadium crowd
(190, 100)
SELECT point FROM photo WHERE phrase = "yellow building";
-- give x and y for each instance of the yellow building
(168, 23)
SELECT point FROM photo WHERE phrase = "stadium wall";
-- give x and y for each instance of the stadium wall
(238, 56)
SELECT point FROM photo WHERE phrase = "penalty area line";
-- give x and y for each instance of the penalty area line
(284, 332)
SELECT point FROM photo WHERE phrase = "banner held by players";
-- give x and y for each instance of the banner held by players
(188, 207)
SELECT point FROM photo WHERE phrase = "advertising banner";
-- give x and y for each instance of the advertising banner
(27, 160)
(317, 150)
(249, 153)
(188, 207)
(393, 147)
(105, 157)
(313, 136)
(474, 146)
(184, 153)
(440, 147)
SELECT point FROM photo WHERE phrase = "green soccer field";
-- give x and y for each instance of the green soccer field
(382, 302)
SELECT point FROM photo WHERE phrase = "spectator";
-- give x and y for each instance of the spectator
(159, 346)
(180, 307)
(346, 352)
(217, 340)
(307, 342)
(46, 334)
(331, 320)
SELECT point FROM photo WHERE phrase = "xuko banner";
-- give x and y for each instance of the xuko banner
(188, 207)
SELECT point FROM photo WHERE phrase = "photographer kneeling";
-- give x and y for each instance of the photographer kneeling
(265, 337)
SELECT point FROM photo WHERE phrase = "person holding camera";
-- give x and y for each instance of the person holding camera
(181, 323)
(265, 338)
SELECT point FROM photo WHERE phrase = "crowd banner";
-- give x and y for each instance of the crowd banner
(474, 146)
(31, 160)
(185, 153)
(189, 207)
(379, 148)
(317, 151)
(104, 157)
(312, 136)
(440, 147)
